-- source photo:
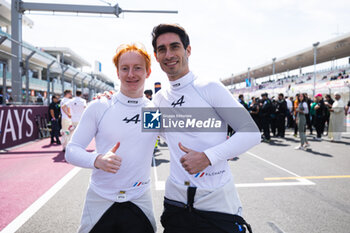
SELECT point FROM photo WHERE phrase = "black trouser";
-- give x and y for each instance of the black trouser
(295, 126)
(55, 130)
(312, 121)
(265, 121)
(289, 119)
(180, 218)
(281, 125)
(274, 125)
(125, 217)
(256, 120)
(308, 122)
(319, 125)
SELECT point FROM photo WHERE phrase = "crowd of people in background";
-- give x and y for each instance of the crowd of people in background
(305, 78)
(301, 113)
(64, 116)
(321, 115)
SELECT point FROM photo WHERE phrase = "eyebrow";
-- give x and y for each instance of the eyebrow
(171, 44)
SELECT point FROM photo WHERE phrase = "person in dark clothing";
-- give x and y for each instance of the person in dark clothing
(148, 93)
(295, 106)
(289, 114)
(54, 114)
(241, 100)
(347, 107)
(230, 131)
(273, 119)
(265, 109)
(328, 103)
(254, 111)
(320, 116)
(281, 110)
(307, 116)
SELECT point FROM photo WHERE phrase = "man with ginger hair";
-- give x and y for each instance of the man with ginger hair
(119, 196)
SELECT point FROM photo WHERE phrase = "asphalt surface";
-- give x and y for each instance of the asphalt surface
(281, 189)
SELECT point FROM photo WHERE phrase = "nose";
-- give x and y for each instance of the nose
(130, 73)
(169, 54)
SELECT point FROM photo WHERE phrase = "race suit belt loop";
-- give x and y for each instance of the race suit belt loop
(191, 192)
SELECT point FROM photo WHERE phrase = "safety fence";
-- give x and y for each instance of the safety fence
(20, 124)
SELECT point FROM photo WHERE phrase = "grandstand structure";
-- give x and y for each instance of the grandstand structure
(274, 77)
(47, 70)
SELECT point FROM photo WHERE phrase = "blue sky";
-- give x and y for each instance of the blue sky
(227, 36)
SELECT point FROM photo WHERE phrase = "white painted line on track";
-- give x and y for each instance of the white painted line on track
(277, 184)
(274, 227)
(33, 208)
(257, 185)
(160, 185)
(275, 165)
(303, 181)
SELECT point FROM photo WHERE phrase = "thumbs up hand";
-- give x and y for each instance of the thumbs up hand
(193, 161)
(109, 162)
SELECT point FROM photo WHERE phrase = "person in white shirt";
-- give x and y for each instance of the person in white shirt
(301, 111)
(76, 106)
(200, 194)
(66, 116)
(290, 111)
(337, 119)
(119, 197)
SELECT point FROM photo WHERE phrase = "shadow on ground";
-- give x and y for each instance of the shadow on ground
(318, 153)
(159, 162)
(59, 158)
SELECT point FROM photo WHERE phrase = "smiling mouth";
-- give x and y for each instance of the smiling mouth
(132, 81)
(173, 63)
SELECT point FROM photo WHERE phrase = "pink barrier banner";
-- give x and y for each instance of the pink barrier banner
(20, 124)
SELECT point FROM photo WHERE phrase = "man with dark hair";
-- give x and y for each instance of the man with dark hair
(320, 116)
(200, 195)
(265, 110)
(169, 28)
(54, 113)
(281, 110)
(273, 118)
(307, 116)
(328, 103)
(148, 93)
(241, 100)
